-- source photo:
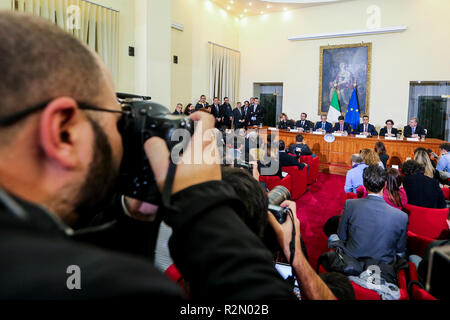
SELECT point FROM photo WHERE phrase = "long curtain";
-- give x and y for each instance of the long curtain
(94, 25)
(224, 73)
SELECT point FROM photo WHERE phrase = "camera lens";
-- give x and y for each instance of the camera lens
(278, 195)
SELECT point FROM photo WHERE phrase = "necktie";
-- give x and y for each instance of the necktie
(342, 127)
(365, 128)
(323, 126)
(414, 130)
(303, 123)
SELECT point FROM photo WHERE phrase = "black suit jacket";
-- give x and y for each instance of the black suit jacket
(258, 113)
(337, 127)
(383, 131)
(370, 129)
(407, 131)
(227, 112)
(238, 114)
(216, 113)
(300, 150)
(287, 160)
(199, 106)
(36, 253)
(286, 125)
(306, 126)
(423, 191)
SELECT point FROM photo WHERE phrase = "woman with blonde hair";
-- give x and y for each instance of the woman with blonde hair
(422, 157)
(371, 157)
(283, 122)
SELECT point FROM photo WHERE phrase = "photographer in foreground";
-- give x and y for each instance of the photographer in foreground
(60, 153)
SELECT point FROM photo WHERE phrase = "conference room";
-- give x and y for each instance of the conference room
(200, 151)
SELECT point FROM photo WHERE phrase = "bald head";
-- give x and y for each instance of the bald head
(39, 61)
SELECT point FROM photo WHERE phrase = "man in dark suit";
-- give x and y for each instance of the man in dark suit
(366, 128)
(413, 130)
(300, 148)
(238, 116)
(256, 113)
(389, 130)
(323, 125)
(247, 112)
(202, 103)
(369, 227)
(421, 191)
(342, 126)
(303, 124)
(227, 112)
(216, 111)
(286, 160)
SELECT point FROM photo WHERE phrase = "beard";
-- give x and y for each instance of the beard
(98, 189)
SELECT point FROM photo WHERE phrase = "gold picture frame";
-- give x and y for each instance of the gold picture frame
(363, 85)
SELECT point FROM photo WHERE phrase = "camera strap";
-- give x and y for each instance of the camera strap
(167, 189)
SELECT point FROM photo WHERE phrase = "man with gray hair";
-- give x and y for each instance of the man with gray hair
(354, 177)
(413, 130)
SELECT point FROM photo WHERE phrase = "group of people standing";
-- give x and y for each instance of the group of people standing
(242, 116)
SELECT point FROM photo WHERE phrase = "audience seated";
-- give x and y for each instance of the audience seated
(370, 228)
(286, 160)
(354, 178)
(380, 149)
(422, 157)
(370, 157)
(300, 148)
(443, 165)
(422, 191)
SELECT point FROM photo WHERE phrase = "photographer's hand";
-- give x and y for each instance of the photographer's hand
(139, 210)
(189, 172)
(311, 285)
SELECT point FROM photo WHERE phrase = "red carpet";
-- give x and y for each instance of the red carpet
(325, 199)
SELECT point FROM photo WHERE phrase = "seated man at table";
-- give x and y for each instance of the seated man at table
(323, 125)
(389, 130)
(366, 128)
(286, 160)
(413, 130)
(354, 178)
(342, 126)
(300, 148)
(303, 124)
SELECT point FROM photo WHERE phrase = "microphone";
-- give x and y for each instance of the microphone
(432, 153)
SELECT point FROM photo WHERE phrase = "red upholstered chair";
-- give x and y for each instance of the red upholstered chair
(351, 195)
(446, 192)
(273, 181)
(417, 244)
(362, 192)
(415, 289)
(431, 223)
(299, 179)
(173, 274)
(313, 164)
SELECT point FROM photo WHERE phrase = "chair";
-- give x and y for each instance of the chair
(299, 180)
(446, 192)
(417, 244)
(313, 164)
(351, 195)
(415, 288)
(427, 222)
(273, 181)
(361, 192)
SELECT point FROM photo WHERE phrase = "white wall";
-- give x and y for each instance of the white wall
(203, 22)
(420, 53)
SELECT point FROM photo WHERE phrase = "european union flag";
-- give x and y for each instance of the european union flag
(352, 116)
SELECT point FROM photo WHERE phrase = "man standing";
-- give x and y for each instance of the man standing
(227, 112)
(413, 130)
(366, 128)
(216, 111)
(202, 103)
(247, 113)
(303, 124)
(256, 114)
(323, 125)
(342, 126)
(238, 116)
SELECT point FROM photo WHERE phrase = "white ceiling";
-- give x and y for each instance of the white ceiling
(244, 8)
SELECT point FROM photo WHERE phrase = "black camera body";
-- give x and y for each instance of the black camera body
(279, 213)
(144, 120)
(244, 165)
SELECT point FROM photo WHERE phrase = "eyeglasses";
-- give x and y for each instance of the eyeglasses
(15, 117)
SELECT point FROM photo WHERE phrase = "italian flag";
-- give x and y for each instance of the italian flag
(335, 111)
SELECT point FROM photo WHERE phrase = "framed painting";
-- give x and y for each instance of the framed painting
(344, 67)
